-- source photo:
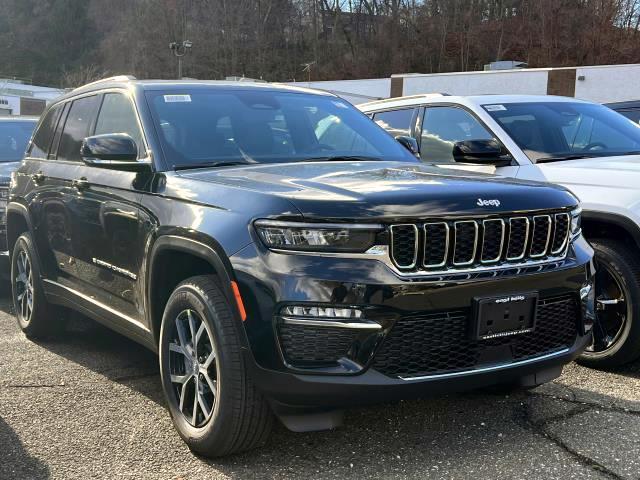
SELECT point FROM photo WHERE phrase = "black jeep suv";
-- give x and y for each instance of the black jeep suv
(286, 255)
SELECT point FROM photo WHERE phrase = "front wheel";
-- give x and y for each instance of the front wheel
(213, 402)
(616, 330)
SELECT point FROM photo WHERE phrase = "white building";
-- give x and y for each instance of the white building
(17, 98)
(604, 83)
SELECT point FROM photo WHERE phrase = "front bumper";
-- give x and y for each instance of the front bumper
(268, 281)
(371, 387)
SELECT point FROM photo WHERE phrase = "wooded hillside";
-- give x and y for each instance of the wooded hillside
(68, 42)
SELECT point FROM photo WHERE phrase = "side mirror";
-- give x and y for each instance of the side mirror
(114, 151)
(410, 144)
(482, 152)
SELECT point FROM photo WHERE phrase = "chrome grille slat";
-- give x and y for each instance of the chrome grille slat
(562, 227)
(485, 224)
(395, 247)
(430, 252)
(539, 234)
(469, 244)
(511, 241)
(458, 239)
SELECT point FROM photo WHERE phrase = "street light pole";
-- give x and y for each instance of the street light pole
(180, 50)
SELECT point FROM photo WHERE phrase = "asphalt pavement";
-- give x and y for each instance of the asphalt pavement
(88, 404)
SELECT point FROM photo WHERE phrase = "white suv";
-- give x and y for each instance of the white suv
(588, 148)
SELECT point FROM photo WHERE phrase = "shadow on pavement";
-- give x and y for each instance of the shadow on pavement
(15, 461)
(105, 352)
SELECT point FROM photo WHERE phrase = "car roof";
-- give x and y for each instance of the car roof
(130, 82)
(623, 105)
(19, 118)
(470, 100)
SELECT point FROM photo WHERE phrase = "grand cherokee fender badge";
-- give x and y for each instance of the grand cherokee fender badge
(488, 203)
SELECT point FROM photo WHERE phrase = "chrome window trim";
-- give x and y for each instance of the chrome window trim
(415, 246)
(546, 246)
(446, 244)
(566, 237)
(455, 243)
(526, 238)
(484, 231)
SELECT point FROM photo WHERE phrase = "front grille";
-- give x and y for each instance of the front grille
(404, 245)
(469, 243)
(437, 343)
(308, 346)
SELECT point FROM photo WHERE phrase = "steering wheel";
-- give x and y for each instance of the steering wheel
(594, 146)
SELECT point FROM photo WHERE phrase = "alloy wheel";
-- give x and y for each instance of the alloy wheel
(193, 367)
(24, 286)
(612, 310)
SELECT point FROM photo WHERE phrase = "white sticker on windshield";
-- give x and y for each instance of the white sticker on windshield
(177, 98)
(339, 104)
(494, 108)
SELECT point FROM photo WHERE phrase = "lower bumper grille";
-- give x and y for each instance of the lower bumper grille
(430, 344)
(304, 346)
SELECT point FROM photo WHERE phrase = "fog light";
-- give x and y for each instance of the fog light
(322, 312)
(588, 300)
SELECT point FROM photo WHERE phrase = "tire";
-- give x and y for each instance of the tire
(239, 417)
(620, 262)
(40, 319)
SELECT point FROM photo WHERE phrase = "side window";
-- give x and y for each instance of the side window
(442, 127)
(396, 122)
(42, 138)
(77, 127)
(117, 115)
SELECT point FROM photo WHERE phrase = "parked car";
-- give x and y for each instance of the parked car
(586, 147)
(630, 109)
(15, 133)
(285, 255)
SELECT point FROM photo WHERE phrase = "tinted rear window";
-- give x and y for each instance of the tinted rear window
(42, 138)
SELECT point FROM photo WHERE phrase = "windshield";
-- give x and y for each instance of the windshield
(14, 137)
(549, 131)
(212, 125)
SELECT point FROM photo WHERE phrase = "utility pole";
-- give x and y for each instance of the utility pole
(180, 50)
(307, 68)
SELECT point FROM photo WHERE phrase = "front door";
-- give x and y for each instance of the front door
(103, 210)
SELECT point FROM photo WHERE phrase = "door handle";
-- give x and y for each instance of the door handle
(38, 178)
(80, 184)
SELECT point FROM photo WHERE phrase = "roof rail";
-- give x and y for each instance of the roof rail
(117, 78)
(408, 97)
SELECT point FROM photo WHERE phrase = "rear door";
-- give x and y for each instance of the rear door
(398, 122)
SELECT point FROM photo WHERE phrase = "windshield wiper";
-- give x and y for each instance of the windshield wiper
(559, 158)
(225, 163)
(342, 158)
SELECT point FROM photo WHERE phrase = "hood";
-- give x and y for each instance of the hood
(5, 171)
(387, 189)
(618, 172)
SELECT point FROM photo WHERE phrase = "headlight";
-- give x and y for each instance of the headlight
(576, 222)
(317, 237)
